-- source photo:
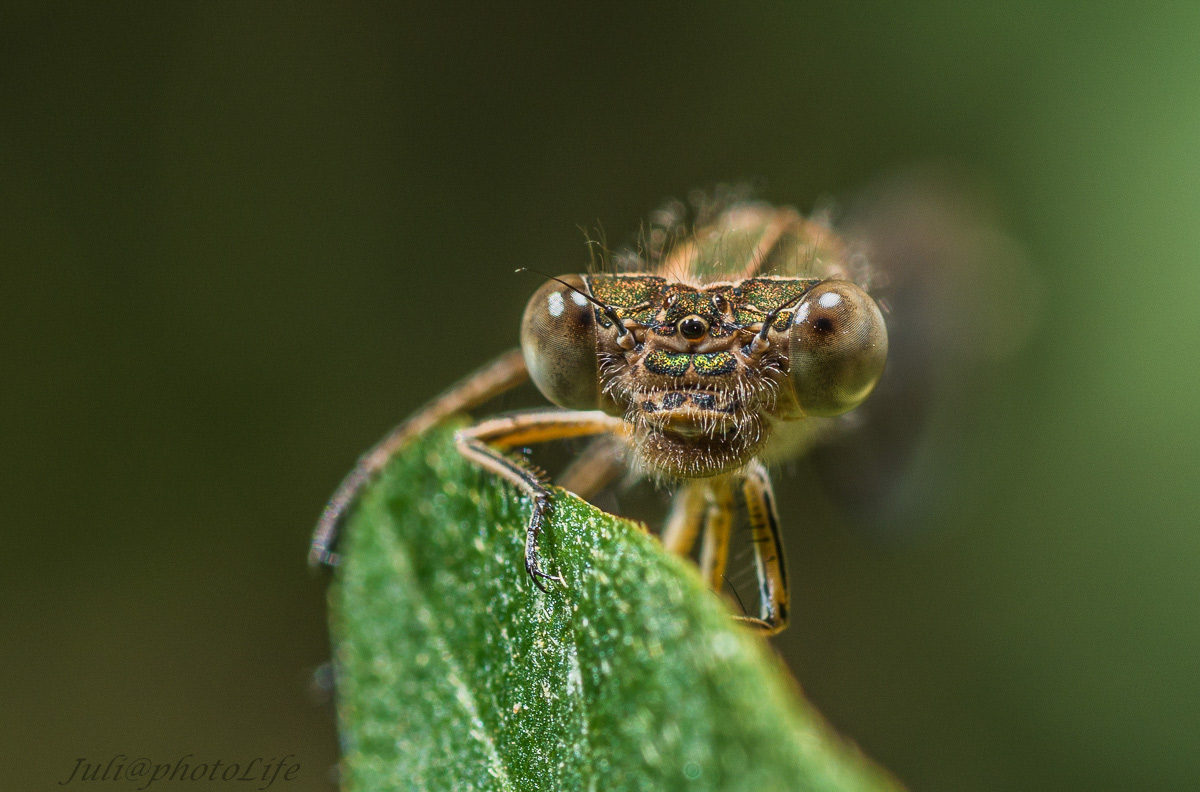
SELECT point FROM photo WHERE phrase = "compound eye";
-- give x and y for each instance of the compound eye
(837, 350)
(558, 341)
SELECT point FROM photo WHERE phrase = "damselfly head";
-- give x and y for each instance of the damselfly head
(702, 372)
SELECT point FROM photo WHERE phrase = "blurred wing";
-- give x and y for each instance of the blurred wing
(957, 295)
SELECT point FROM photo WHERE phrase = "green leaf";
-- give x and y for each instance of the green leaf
(455, 673)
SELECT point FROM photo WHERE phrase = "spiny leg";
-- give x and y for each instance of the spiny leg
(687, 514)
(718, 522)
(485, 444)
(502, 374)
(769, 560)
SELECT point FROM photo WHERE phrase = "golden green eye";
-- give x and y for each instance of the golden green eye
(558, 340)
(838, 347)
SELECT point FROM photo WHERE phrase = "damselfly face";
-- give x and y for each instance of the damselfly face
(704, 366)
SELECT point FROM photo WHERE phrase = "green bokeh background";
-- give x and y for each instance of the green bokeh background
(239, 241)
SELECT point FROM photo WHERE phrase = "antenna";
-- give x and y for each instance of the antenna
(609, 311)
(770, 320)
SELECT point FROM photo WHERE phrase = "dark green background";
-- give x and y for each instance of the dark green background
(238, 242)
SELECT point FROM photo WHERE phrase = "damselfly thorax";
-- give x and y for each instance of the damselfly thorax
(705, 357)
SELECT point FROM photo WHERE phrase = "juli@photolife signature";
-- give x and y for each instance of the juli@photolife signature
(259, 771)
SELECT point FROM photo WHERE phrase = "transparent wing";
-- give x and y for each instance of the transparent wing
(958, 295)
